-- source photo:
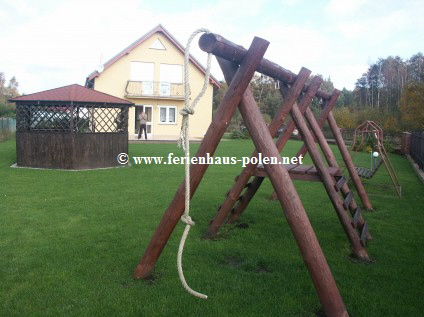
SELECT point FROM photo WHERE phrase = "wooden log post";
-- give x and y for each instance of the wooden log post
(329, 182)
(328, 106)
(209, 144)
(248, 171)
(290, 202)
(291, 126)
(406, 143)
(348, 162)
(328, 154)
(281, 142)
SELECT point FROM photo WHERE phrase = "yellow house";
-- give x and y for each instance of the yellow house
(149, 73)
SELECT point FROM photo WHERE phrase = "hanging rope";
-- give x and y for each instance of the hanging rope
(184, 142)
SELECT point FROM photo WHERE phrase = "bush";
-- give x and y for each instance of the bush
(366, 146)
(388, 146)
(240, 134)
(345, 118)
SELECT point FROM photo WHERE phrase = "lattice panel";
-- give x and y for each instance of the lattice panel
(61, 118)
(43, 118)
(108, 119)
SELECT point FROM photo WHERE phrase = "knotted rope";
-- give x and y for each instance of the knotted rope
(185, 144)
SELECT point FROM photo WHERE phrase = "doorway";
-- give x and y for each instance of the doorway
(148, 109)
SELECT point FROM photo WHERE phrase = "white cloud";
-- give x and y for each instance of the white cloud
(49, 43)
(344, 8)
(290, 3)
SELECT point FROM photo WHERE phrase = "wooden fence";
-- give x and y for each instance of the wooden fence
(417, 148)
(7, 128)
(392, 137)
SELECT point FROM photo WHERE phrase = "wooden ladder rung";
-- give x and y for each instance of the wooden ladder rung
(301, 169)
(334, 171)
(364, 234)
(347, 200)
(340, 183)
(356, 216)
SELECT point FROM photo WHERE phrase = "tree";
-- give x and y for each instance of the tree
(266, 93)
(327, 85)
(218, 94)
(412, 106)
(7, 109)
(416, 68)
(345, 118)
(346, 99)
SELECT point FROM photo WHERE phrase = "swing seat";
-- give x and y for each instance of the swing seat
(367, 173)
(364, 172)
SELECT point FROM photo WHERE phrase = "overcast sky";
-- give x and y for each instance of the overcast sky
(52, 43)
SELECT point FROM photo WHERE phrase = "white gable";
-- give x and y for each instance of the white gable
(157, 45)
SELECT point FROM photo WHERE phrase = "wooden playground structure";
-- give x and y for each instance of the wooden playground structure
(238, 66)
(369, 130)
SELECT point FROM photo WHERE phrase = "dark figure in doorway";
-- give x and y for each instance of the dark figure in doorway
(120, 121)
(143, 119)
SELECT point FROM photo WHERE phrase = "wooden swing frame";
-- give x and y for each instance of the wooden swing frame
(238, 66)
(370, 129)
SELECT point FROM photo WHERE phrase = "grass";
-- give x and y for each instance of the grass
(69, 242)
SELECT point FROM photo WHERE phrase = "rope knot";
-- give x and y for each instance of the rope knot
(187, 220)
(186, 111)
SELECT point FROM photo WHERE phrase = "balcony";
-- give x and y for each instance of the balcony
(154, 89)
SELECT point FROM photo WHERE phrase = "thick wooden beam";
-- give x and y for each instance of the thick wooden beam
(293, 176)
(329, 155)
(348, 162)
(329, 182)
(281, 142)
(210, 142)
(249, 170)
(328, 106)
(316, 126)
(219, 46)
(292, 206)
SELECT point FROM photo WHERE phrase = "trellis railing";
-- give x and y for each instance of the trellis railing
(146, 89)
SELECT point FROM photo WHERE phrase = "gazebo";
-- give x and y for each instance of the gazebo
(70, 127)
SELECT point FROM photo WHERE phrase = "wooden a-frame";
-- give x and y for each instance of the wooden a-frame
(238, 74)
(354, 225)
(373, 130)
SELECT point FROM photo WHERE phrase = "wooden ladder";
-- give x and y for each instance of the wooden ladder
(349, 204)
(298, 112)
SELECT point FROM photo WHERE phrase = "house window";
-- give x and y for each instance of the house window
(141, 71)
(157, 45)
(171, 73)
(167, 115)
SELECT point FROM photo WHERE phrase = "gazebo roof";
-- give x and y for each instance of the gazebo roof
(76, 93)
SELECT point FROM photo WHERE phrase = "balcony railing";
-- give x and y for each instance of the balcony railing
(154, 89)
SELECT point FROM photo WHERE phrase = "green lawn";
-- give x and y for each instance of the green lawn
(69, 242)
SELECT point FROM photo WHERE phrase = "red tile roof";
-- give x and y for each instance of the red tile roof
(73, 92)
(158, 28)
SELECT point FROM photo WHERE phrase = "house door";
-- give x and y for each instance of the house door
(149, 114)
